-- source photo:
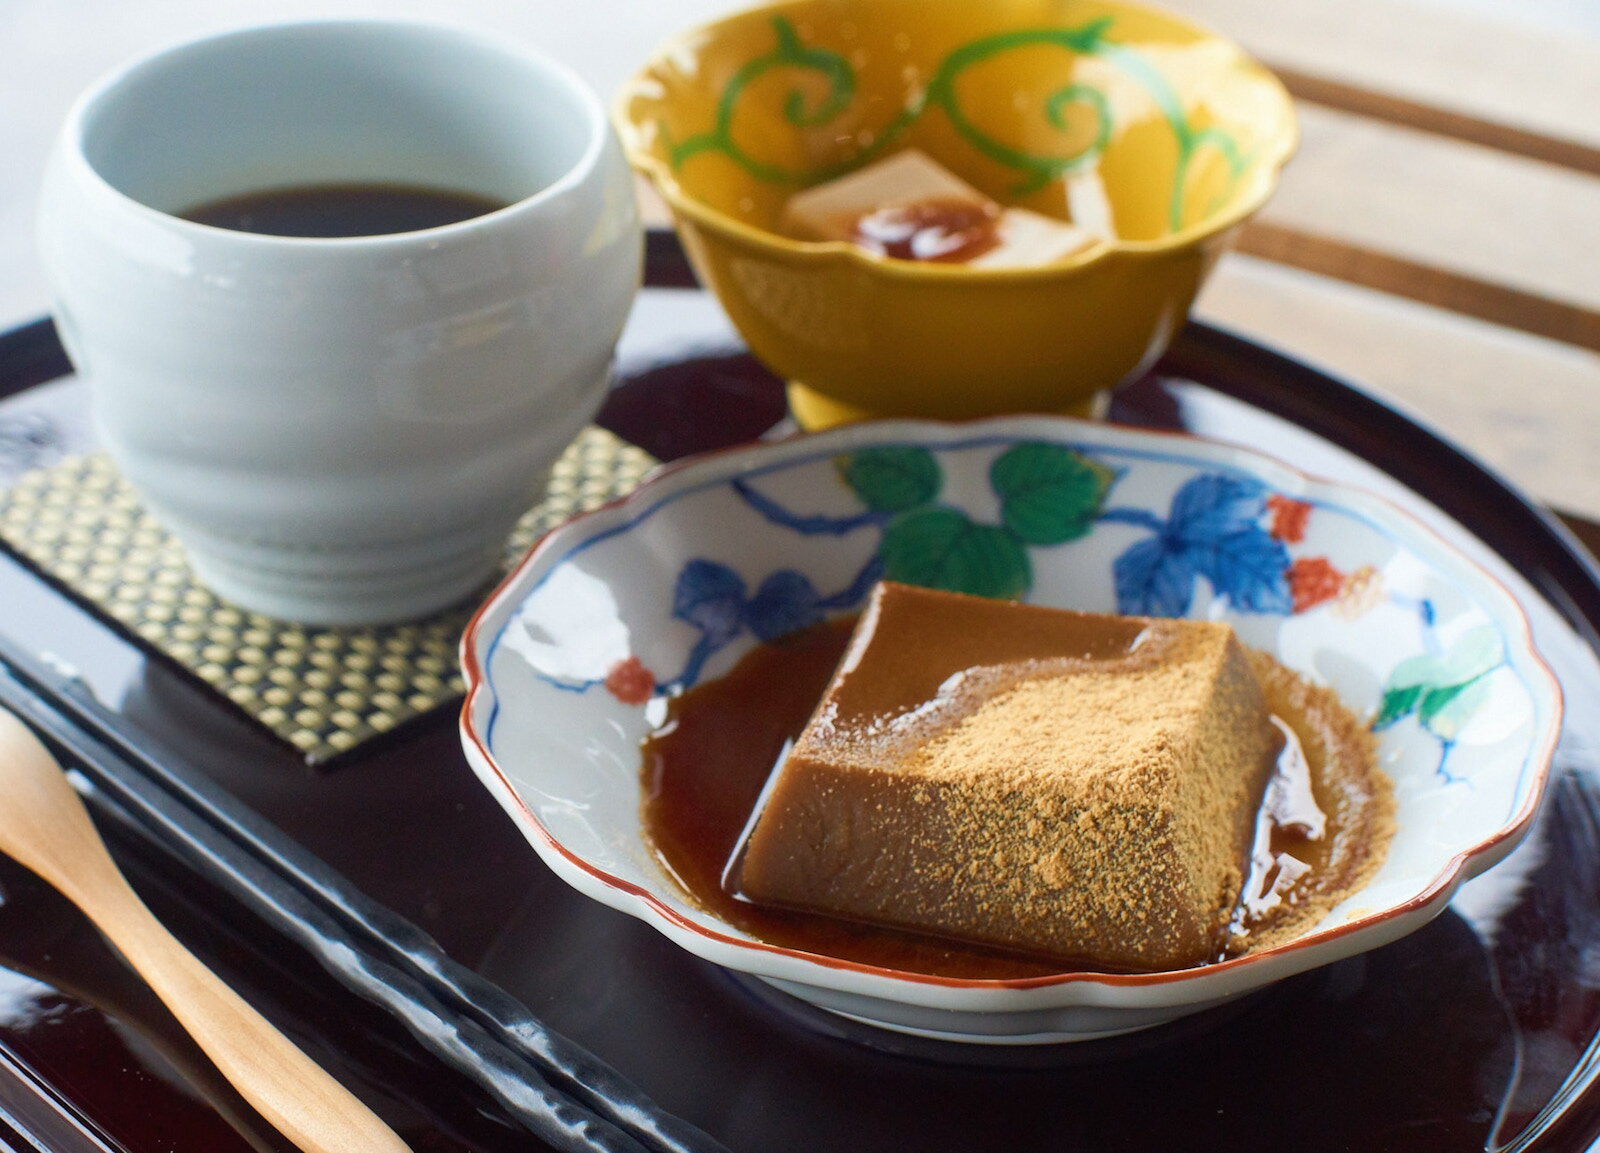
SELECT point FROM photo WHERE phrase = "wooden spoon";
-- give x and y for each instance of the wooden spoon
(44, 826)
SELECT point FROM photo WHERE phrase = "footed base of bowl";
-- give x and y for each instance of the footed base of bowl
(814, 411)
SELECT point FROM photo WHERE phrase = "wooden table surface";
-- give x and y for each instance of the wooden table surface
(1438, 236)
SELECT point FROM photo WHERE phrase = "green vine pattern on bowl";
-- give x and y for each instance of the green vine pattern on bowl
(1035, 170)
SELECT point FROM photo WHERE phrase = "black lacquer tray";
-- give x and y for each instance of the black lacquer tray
(388, 916)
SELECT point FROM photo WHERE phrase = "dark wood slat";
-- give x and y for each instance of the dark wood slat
(1442, 288)
(1440, 121)
(1584, 529)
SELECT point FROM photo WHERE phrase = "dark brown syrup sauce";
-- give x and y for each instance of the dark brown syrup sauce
(335, 210)
(949, 231)
(704, 769)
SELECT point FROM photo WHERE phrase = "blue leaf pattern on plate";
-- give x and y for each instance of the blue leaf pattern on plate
(1247, 567)
(1154, 579)
(786, 602)
(1212, 530)
(710, 596)
(1212, 506)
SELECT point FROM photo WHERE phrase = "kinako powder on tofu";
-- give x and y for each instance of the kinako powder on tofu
(985, 789)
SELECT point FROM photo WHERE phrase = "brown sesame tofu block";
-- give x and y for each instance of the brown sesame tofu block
(835, 210)
(1063, 784)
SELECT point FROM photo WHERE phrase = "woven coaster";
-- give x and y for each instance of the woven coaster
(324, 690)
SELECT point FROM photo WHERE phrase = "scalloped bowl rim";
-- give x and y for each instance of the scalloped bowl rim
(1276, 154)
(714, 941)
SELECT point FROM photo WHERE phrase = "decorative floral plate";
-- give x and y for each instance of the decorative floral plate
(571, 661)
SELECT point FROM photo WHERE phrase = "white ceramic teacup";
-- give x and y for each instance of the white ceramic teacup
(340, 431)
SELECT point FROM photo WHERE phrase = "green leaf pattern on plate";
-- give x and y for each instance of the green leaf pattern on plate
(943, 548)
(894, 478)
(1442, 690)
(1049, 494)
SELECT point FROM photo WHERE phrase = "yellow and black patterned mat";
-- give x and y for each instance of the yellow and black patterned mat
(324, 690)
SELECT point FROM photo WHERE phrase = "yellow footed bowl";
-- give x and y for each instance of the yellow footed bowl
(1031, 101)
